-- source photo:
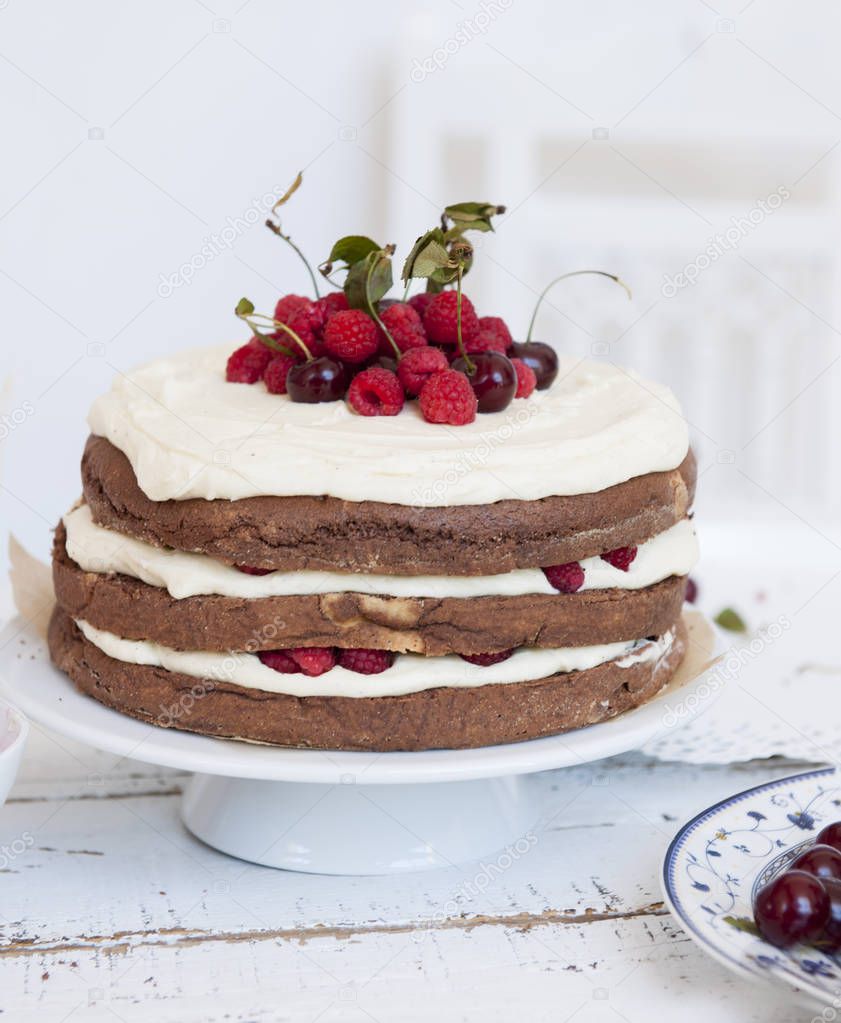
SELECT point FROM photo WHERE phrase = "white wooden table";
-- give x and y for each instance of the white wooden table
(113, 911)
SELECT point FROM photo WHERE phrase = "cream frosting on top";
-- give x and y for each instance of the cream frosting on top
(184, 574)
(187, 432)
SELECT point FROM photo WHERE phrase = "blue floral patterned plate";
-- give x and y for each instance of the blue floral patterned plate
(720, 858)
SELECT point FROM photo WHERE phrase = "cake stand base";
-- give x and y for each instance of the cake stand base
(359, 829)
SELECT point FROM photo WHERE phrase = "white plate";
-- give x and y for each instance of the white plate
(718, 860)
(48, 697)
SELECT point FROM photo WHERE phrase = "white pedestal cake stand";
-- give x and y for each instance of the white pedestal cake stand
(345, 813)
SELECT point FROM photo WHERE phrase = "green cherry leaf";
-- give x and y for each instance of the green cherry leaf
(245, 307)
(730, 620)
(352, 248)
(432, 246)
(472, 216)
(742, 923)
(369, 280)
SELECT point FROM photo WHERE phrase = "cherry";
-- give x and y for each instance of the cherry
(690, 594)
(251, 570)
(542, 358)
(819, 860)
(322, 379)
(832, 933)
(385, 362)
(831, 835)
(793, 907)
(494, 379)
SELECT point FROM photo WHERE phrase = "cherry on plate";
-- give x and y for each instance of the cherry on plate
(820, 860)
(793, 907)
(832, 932)
(831, 835)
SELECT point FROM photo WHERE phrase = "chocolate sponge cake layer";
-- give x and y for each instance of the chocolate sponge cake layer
(132, 609)
(325, 533)
(448, 718)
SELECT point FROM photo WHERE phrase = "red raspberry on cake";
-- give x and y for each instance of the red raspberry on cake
(404, 325)
(486, 660)
(313, 660)
(274, 376)
(376, 392)
(335, 302)
(496, 327)
(526, 379)
(484, 341)
(366, 662)
(448, 398)
(621, 558)
(418, 365)
(440, 319)
(568, 578)
(420, 302)
(307, 324)
(288, 305)
(279, 660)
(351, 335)
(247, 364)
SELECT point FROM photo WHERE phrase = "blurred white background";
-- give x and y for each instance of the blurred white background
(692, 147)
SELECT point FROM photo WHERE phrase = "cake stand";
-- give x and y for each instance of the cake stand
(348, 813)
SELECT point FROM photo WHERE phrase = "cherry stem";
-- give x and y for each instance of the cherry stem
(563, 277)
(275, 229)
(469, 365)
(376, 315)
(271, 342)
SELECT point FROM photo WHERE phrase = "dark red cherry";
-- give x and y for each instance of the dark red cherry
(820, 860)
(832, 932)
(690, 594)
(793, 907)
(385, 362)
(542, 358)
(831, 835)
(251, 570)
(494, 379)
(318, 380)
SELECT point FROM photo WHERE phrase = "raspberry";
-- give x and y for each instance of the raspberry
(313, 660)
(274, 376)
(420, 302)
(366, 662)
(485, 341)
(447, 397)
(565, 578)
(335, 302)
(621, 558)
(279, 660)
(306, 323)
(404, 325)
(246, 364)
(526, 379)
(417, 365)
(485, 660)
(439, 320)
(691, 593)
(251, 570)
(351, 336)
(375, 392)
(499, 328)
(288, 305)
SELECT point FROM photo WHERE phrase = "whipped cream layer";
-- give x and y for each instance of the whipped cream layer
(189, 433)
(96, 549)
(410, 673)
